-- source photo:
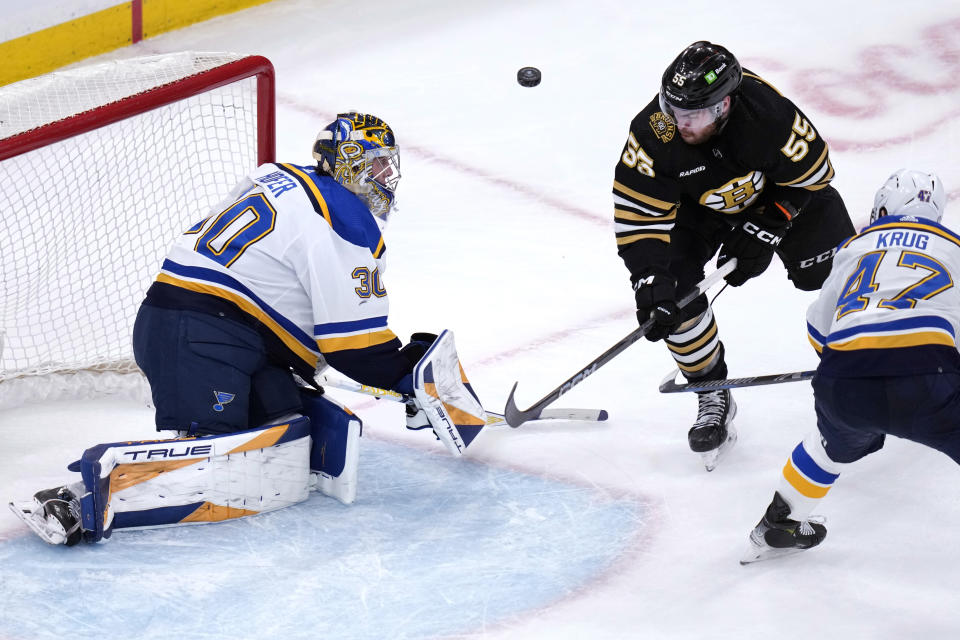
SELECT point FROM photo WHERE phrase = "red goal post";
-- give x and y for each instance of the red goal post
(101, 167)
(175, 91)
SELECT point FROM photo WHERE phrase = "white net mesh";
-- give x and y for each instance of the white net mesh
(87, 220)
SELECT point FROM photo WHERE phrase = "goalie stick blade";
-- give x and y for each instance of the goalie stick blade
(574, 415)
(586, 415)
(670, 384)
(494, 419)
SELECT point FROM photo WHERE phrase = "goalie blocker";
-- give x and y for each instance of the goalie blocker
(195, 480)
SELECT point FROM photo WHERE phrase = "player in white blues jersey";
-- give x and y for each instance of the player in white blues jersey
(285, 275)
(885, 325)
(288, 269)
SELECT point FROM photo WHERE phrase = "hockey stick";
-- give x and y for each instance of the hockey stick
(515, 417)
(670, 384)
(493, 419)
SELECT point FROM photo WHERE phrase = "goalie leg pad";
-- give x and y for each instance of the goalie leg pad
(154, 483)
(445, 395)
(335, 453)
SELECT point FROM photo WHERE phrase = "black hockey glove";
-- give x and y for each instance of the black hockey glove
(418, 345)
(753, 243)
(413, 351)
(656, 296)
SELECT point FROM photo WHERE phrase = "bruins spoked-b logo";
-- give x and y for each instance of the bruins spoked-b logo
(736, 195)
(662, 126)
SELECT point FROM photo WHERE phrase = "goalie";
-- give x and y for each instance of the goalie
(284, 277)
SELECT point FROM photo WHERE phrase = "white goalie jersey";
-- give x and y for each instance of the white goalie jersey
(298, 257)
(891, 305)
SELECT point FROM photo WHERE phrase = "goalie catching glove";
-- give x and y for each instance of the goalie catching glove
(419, 343)
(754, 241)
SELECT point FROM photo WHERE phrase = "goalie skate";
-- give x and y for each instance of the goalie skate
(53, 514)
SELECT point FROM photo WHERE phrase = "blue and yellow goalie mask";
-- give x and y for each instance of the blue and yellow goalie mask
(360, 152)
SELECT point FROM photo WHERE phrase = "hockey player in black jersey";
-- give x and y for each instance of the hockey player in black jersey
(719, 163)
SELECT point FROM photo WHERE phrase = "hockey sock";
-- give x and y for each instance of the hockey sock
(696, 346)
(807, 476)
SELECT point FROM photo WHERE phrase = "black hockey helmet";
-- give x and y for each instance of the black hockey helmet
(702, 75)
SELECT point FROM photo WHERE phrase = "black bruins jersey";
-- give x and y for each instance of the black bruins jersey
(768, 149)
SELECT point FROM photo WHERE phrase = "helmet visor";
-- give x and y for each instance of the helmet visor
(692, 118)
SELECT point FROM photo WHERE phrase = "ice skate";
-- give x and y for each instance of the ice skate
(777, 535)
(713, 434)
(53, 514)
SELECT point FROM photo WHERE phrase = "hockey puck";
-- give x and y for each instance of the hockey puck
(529, 76)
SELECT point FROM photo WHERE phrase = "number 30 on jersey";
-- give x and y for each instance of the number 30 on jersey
(370, 284)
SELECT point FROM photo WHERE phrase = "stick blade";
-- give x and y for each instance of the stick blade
(669, 382)
(670, 385)
(513, 415)
(575, 415)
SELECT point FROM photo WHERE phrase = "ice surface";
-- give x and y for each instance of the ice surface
(434, 546)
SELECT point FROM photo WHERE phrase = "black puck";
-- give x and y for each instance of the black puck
(529, 76)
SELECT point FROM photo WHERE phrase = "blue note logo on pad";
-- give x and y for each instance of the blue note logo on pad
(222, 398)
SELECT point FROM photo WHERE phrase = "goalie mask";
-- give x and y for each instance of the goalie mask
(360, 152)
(910, 192)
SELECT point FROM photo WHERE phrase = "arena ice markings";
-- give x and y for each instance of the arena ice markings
(433, 546)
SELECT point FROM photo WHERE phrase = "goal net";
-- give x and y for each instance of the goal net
(101, 167)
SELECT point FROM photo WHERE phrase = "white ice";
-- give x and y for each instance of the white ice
(504, 235)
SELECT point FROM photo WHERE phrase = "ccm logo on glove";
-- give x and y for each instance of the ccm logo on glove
(762, 234)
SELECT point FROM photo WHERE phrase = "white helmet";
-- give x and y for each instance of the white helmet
(910, 192)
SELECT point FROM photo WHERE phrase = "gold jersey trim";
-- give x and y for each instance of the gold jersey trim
(817, 166)
(625, 214)
(634, 237)
(636, 195)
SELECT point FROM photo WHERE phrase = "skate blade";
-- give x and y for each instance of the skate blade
(711, 459)
(757, 553)
(38, 524)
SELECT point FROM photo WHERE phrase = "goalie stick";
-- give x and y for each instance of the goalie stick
(493, 419)
(670, 384)
(515, 417)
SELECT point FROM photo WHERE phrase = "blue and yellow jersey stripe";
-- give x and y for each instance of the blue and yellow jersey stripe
(354, 334)
(348, 217)
(303, 176)
(816, 338)
(218, 284)
(893, 334)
